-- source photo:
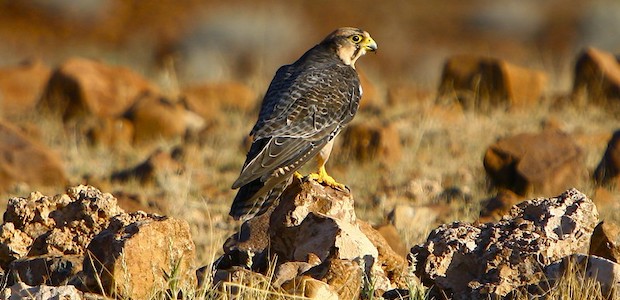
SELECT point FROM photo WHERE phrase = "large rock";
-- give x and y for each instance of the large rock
(367, 142)
(24, 160)
(483, 83)
(490, 260)
(605, 241)
(608, 169)
(21, 87)
(59, 225)
(535, 164)
(314, 232)
(597, 77)
(84, 87)
(139, 254)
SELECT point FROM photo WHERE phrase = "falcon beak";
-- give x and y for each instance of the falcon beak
(370, 44)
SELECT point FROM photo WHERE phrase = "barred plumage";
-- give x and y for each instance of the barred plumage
(305, 107)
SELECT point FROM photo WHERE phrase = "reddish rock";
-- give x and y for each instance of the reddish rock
(597, 77)
(535, 164)
(111, 132)
(492, 259)
(81, 87)
(155, 118)
(483, 83)
(494, 208)
(393, 239)
(608, 169)
(365, 142)
(605, 241)
(23, 159)
(52, 270)
(21, 87)
(212, 101)
(137, 254)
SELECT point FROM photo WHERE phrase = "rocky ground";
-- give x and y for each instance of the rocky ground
(492, 173)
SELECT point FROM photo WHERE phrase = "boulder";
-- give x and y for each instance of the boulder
(597, 77)
(608, 169)
(213, 100)
(605, 241)
(468, 261)
(139, 254)
(84, 87)
(313, 231)
(603, 272)
(21, 87)
(59, 225)
(369, 142)
(111, 132)
(535, 164)
(25, 160)
(495, 207)
(155, 118)
(483, 83)
(391, 236)
(149, 171)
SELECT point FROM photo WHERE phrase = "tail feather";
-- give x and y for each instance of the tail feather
(251, 201)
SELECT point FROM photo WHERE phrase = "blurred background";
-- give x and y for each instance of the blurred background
(248, 40)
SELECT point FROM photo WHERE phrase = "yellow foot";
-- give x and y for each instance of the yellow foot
(324, 178)
(298, 175)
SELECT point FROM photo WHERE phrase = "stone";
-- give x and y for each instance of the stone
(403, 215)
(605, 241)
(586, 267)
(54, 270)
(608, 168)
(311, 288)
(82, 87)
(139, 254)
(531, 164)
(111, 132)
(212, 100)
(370, 142)
(155, 118)
(313, 231)
(597, 78)
(21, 290)
(59, 225)
(483, 83)
(493, 209)
(393, 239)
(468, 261)
(25, 160)
(21, 87)
(392, 263)
(149, 171)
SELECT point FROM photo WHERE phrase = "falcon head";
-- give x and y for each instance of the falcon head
(350, 43)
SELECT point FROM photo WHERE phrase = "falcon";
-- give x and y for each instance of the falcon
(305, 107)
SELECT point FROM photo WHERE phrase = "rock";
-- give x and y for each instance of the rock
(605, 241)
(149, 171)
(211, 101)
(586, 267)
(139, 254)
(24, 160)
(311, 288)
(393, 239)
(366, 142)
(21, 87)
(154, 118)
(392, 263)
(492, 259)
(51, 270)
(111, 132)
(483, 83)
(535, 164)
(608, 168)
(84, 87)
(403, 215)
(21, 290)
(494, 208)
(313, 231)
(59, 225)
(597, 77)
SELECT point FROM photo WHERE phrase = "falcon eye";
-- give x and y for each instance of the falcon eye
(356, 38)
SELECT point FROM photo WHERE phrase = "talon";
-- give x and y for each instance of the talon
(298, 175)
(324, 178)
